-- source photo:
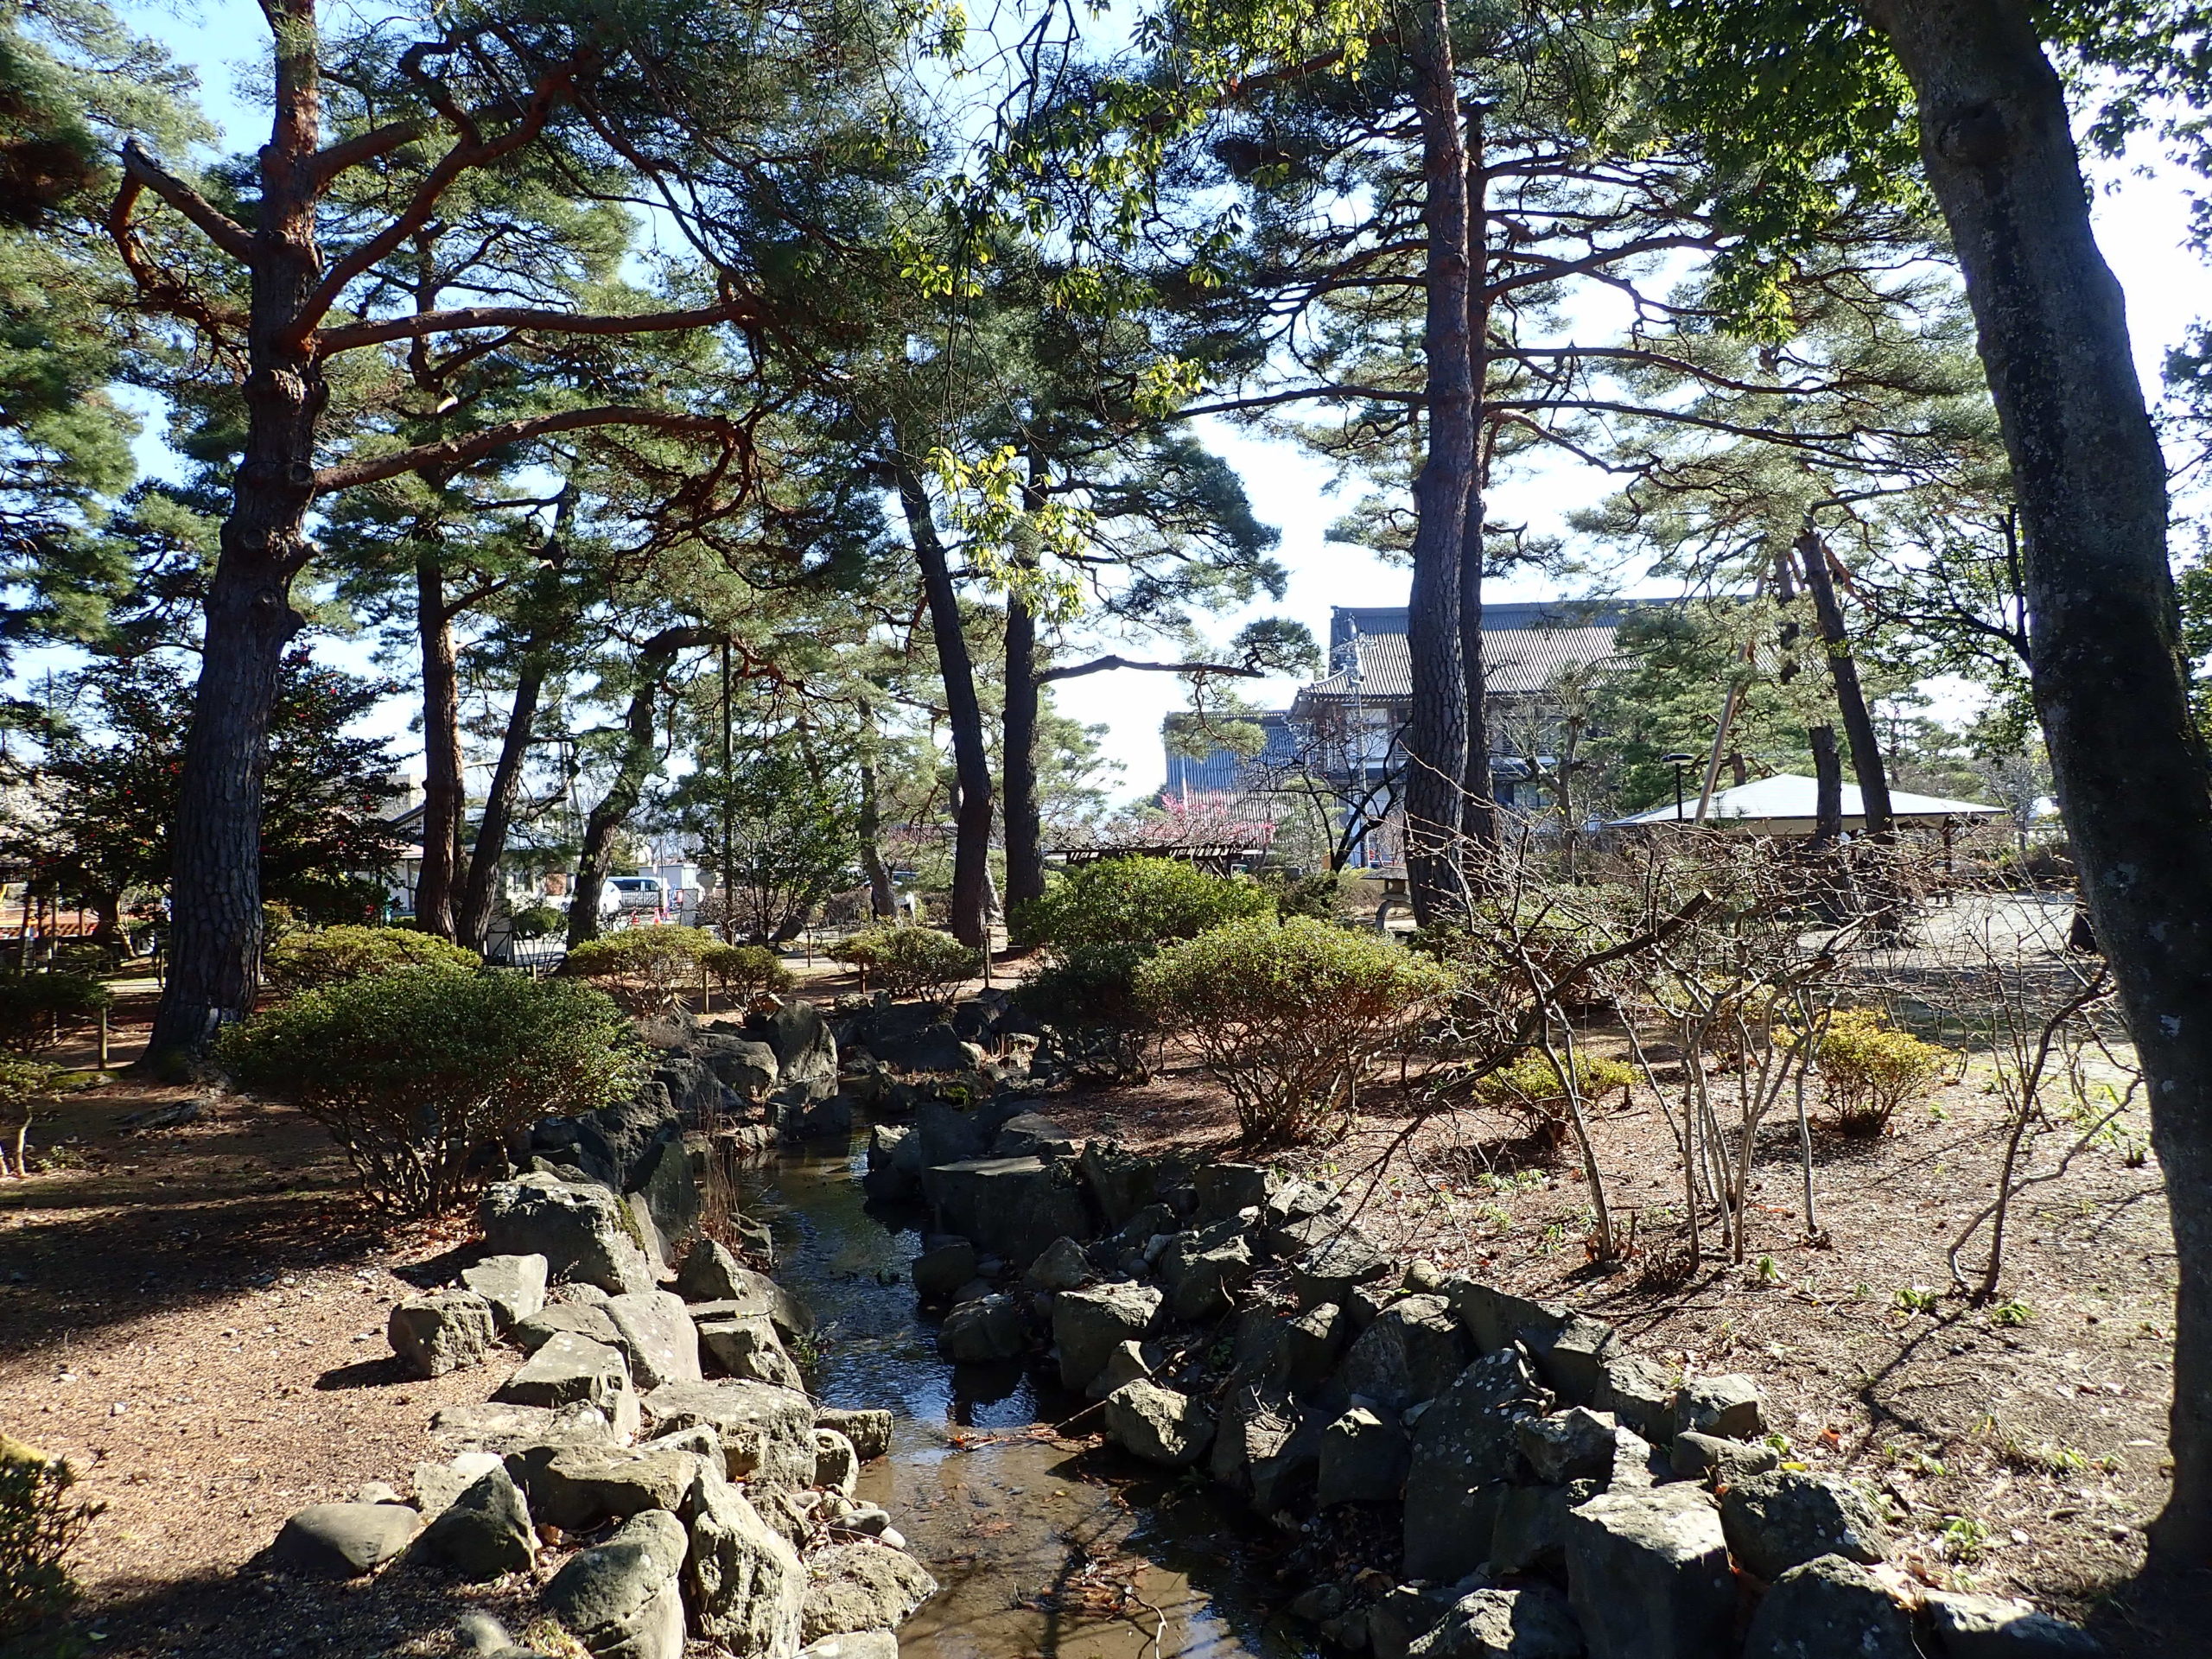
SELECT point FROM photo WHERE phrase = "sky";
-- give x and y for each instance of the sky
(2141, 217)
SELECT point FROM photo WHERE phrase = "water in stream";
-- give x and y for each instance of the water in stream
(1038, 1551)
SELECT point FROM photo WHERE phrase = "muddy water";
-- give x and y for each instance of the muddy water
(1040, 1550)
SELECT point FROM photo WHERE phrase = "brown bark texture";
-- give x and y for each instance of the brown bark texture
(1024, 847)
(1850, 696)
(445, 789)
(2108, 670)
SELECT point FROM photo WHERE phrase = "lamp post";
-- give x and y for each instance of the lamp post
(1677, 760)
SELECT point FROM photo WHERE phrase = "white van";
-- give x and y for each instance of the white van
(629, 894)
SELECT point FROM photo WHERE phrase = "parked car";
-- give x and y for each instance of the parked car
(628, 894)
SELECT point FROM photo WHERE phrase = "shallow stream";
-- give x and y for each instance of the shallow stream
(1040, 1550)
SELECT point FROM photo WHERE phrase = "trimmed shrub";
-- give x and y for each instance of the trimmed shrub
(748, 971)
(1088, 997)
(39, 1526)
(645, 969)
(41, 1011)
(1136, 902)
(313, 957)
(421, 1074)
(1531, 1090)
(21, 1083)
(1292, 1016)
(1868, 1069)
(536, 921)
(913, 963)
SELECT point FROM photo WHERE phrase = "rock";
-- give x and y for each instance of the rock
(1089, 1325)
(514, 1285)
(1705, 1457)
(1032, 1134)
(1830, 1608)
(743, 1581)
(485, 1533)
(723, 1287)
(1495, 1318)
(1464, 1446)
(569, 1293)
(1210, 1282)
(805, 1052)
(743, 1066)
(1142, 1227)
(1648, 1574)
(1529, 1533)
(654, 1330)
(569, 1370)
(895, 1165)
(1572, 1445)
(1423, 1277)
(376, 1492)
(436, 1484)
(989, 1328)
(747, 1346)
(1121, 1181)
(1226, 1189)
(1724, 1406)
(534, 1333)
(806, 1118)
(662, 1194)
(837, 1465)
(433, 1335)
(1013, 1207)
(1639, 1392)
(582, 1230)
(862, 1587)
(498, 1427)
(1413, 1351)
(854, 1644)
(1125, 1364)
(1311, 1341)
(484, 1636)
(1364, 1458)
(621, 1598)
(1637, 1463)
(1257, 1421)
(1283, 1481)
(1997, 1627)
(1062, 1267)
(940, 1271)
(1774, 1523)
(1316, 1603)
(1157, 1424)
(868, 1431)
(1346, 1631)
(1535, 1622)
(1403, 1616)
(343, 1540)
(577, 1488)
(1327, 1272)
(935, 1046)
(768, 1433)
(1572, 1359)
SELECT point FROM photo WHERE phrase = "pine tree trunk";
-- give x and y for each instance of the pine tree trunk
(1436, 723)
(480, 893)
(1478, 805)
(444, 785)
(882, 902)
(214, 943)
(971, 765)
(1025, 850)
(2109, 671)
(1850, 698)
(1827, 786)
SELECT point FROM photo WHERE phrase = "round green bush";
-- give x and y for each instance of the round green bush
(1136, 902)
(313, 957)
(536, 921)
(747, 969)
(420, 1073)
(646, 970)
(913, 963)
(41, 1526)
(1291, 1017)
(40, 1011)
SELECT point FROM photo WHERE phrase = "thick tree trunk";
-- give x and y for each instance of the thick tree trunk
(1850, 698)
(480, 893)
(1478, 805)
(1025, 847)
(882, 902)
(1827, 785)
(971, 764)
(445, 790)
(214, 944)
(2109, 674)
(1436, 723)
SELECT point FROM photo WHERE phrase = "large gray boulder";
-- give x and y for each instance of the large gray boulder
(1727, 1406)
(862, 1587)
(1157, 1424)
(746, 1346)
(1530, 1535)
(496, 1425)
(582, 1229)
(1089, 1325)
(568, 1369)
(1283, 1481)
(1997, 1627)
(940, 1270)
(1121, 1182)
(343, 1540)
(621, 1598)
(1463, 1448)
(1363, 1457)
(1013, 1207)
(766, 1431)
(1774, 1523)
(1413, 1351)
(513, 1285)
(1331, 1269)
(578, 1319)
(868, 1430)
(1708, 1458)
(1209, 1279)
(1226, 1190)
(1648, 1573)
(485, 1533)
(436, 1484)
(1257, 1421)
(1495, 1319)
(1830, 1608)
(577, 1488)
(1639, 1392)
(854, 1644)
(1534, 1623)
(742, 1580)
(1062, 1267)
(654, 1330)
(721, 1286)
(805, 1052)
(1311, 1341)
(989, 1328)
(433, 1335)
(1574, 1445)
(742, 1065)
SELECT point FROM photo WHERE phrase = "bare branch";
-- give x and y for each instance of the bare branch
(455, 452)
(520, 319)
(216, 226)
